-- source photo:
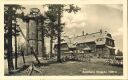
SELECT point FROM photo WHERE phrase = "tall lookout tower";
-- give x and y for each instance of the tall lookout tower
(35, 32)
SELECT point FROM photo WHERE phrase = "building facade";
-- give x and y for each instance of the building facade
(99, 44)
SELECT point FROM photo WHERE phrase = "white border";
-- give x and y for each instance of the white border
(33, 2)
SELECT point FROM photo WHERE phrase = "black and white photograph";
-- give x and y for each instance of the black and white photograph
(63, 40)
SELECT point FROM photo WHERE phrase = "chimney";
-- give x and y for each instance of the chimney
(86, 33)
(83, 33)
(100, 30)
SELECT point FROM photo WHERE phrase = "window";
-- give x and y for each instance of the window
(99, 39)
(109, 35)
(110, 42)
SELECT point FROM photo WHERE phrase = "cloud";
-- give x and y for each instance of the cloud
(98, 16)
(118, 7)
(90, 19)
(119, 32)
(72, 20)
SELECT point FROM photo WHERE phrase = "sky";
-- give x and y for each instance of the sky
(91, 18)
(94, 17)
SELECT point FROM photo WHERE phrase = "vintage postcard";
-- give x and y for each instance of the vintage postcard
(84, 39)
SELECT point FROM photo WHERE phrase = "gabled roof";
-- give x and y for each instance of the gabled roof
(98, 38)
(86, 38)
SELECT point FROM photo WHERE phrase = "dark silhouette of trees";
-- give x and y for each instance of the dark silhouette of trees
(16, 33)
(51, 28)
(43, 33)
(59, 9)
(10, 30)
